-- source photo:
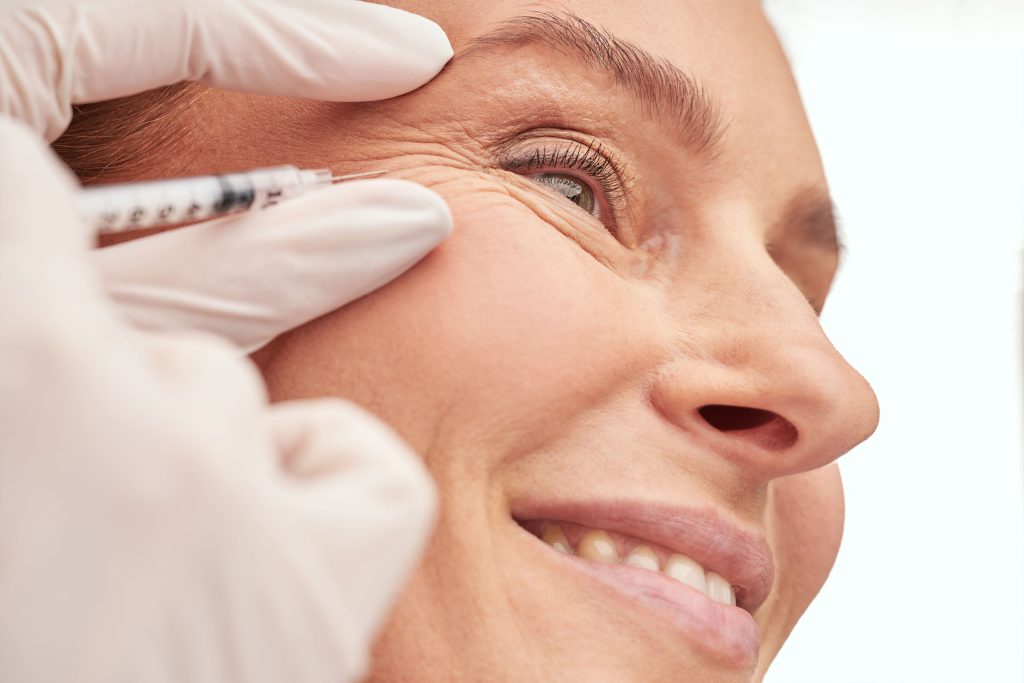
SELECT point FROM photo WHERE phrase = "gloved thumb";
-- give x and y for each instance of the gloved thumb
(46, 280)
(37, 208)
(251, 277)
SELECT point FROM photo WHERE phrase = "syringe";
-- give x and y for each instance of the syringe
(130, 206)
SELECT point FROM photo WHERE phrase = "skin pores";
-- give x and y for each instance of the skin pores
(538, 361)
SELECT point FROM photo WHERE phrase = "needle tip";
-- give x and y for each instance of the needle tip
(352, 176)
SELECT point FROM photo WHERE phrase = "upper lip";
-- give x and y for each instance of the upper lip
(743, 558)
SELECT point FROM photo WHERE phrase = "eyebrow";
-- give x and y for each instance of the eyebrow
(660, 89)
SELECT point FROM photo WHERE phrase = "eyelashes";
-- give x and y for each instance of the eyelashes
(590, 159)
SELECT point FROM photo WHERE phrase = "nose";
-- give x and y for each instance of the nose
(752, 376)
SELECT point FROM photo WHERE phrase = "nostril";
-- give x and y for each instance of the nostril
(767, 429)
(732, 418)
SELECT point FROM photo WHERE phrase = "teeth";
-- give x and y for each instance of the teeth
(719, 590)
(554, 537)
(643, 557)
(683, 569)
(597, 545)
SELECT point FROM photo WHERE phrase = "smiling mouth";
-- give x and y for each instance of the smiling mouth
(680, 572)
(609, 547)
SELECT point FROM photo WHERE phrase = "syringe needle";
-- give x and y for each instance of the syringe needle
(351, 176)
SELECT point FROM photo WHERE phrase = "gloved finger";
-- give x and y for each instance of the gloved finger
(360, 493)
(37, 209)
(251, 277)
(51, 304)
(54, 53)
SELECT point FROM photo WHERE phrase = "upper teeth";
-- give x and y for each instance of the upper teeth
(598, 545)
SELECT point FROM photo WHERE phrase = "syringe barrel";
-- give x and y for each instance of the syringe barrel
(133, 206)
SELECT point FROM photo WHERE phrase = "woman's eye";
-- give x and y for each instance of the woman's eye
(576, 191)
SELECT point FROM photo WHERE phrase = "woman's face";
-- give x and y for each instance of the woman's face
(617, 350)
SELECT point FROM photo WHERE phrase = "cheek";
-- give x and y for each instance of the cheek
(805, 527)
(502, 333)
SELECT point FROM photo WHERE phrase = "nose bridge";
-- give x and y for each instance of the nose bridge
(752, 374)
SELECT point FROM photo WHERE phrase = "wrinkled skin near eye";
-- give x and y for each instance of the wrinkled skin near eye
(617, 300)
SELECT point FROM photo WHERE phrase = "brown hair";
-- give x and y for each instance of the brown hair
(112, 140)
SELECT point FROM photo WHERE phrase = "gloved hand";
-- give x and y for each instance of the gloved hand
(158, 519)
(331, 248)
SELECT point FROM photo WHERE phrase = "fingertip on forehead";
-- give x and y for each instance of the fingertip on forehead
(462, 20)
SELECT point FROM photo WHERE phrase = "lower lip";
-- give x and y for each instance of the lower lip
(726, 634)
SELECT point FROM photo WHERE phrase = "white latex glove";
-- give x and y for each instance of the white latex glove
(158, 519)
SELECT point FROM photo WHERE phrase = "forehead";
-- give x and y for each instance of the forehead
(728, 43)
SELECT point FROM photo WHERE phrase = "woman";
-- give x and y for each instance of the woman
(613, 369)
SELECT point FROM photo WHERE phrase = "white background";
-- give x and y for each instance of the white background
(918, 107)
